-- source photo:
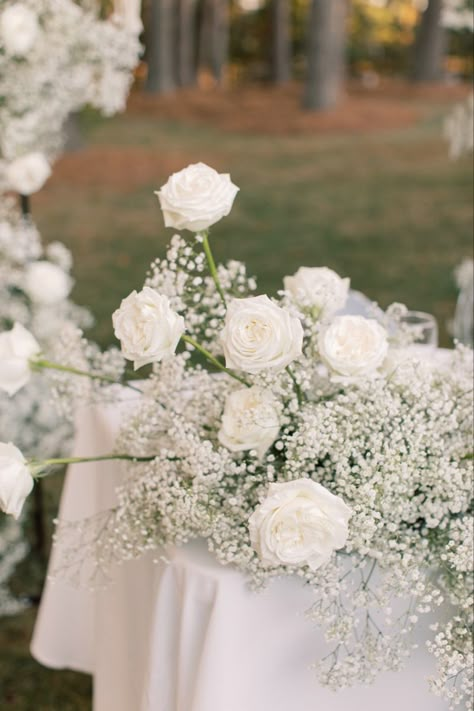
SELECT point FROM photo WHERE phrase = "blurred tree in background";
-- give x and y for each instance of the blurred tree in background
(281, 40)
(430, 44)
(326, 53)
(381, 35)
(214, 42)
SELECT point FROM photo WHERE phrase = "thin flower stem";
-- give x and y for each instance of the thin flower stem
(367, 580)
(40, 465)
(214, 360)
(299, 393)
(212, 265)
(42, 363)
(25, 205)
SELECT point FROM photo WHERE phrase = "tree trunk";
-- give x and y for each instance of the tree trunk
(430, 44)
(187, 43)
(220, 39)
(281, 42)
(161, 50)
(214, 37)
(327, 29)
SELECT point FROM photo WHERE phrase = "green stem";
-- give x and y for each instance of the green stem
(42, 363)
(212, 265)
(298, 391)
(213, 360)
(367, 580)
(40, 465)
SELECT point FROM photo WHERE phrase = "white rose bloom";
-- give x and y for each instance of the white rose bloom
(299, 523)
(16, 348)
(353, 346)
(18, 29)
(46, 283)
(147, 327)
(28, 173)
(259, 335)
(250, 421)
(196, 198)
(16, 481)
(319, 288)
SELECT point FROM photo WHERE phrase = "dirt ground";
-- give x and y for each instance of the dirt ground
(256, 110)
(120, 168)
(278, 111)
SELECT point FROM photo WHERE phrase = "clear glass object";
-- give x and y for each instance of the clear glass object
(421, 327)
(462, 326)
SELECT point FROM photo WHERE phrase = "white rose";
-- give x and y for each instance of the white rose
(46, 283)
(250, 421)
(147, 327)
(299, 523)
(28, 173)
(259, 335)
(196, 198)
(16, 481)
(17, 347)
(353, 346)
(18, 29)
(318, 287)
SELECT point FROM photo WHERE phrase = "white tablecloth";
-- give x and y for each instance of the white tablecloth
(189, 635)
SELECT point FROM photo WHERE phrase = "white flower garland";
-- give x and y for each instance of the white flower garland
(55, 58)
(30, 419)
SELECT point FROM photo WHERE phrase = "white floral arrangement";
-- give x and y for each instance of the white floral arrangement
(56, 56)
(459, 128)
(13, 549)
(314, 445)
(34, 293)
(462, 325)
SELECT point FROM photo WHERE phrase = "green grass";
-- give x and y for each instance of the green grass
(388, 209)
(25, 685)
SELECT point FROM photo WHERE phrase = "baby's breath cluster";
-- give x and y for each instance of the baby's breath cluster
(13, 548)
(56, 56)
(458, 128)
(182, 276)
(29, 418)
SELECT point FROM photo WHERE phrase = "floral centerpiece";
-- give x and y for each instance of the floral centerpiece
(295, 439)
(56, 56)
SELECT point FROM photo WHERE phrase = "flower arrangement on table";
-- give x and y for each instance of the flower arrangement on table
(313, 445)
(56, 57)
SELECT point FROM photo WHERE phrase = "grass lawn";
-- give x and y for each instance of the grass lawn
(387, 208)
